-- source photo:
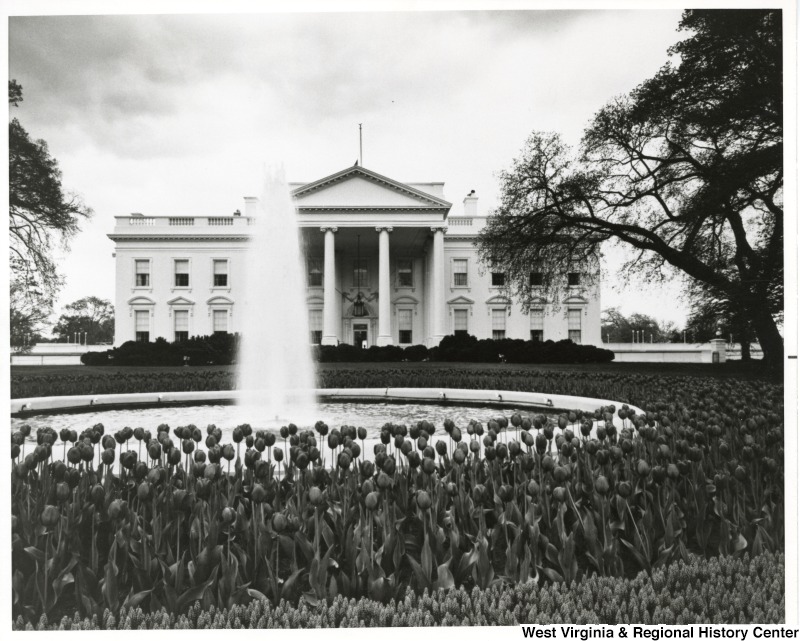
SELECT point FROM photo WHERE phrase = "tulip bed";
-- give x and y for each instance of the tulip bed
(140, 520)
(719, 590)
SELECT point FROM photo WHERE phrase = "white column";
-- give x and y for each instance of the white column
(329, 324)
(384, 287)
(437, 291)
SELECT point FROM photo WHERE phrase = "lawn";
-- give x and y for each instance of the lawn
(734, 369)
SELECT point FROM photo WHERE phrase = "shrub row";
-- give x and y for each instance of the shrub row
(720, 590)
(220, 349)
(217, 349)
(345, 353)
(466, 348)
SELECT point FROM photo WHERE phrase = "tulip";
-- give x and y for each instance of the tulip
(279, 522)
(423, 500)
(50, 516)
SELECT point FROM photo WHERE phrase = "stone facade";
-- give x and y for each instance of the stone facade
(387, 263)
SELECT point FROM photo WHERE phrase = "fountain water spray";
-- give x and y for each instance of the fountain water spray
(276, 373)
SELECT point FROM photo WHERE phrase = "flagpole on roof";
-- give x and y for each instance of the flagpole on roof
(360, 147)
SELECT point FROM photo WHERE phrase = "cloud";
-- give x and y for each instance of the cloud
(96, 74)
(177, 113)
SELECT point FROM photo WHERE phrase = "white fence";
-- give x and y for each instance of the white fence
(711, 352)
(55, 354)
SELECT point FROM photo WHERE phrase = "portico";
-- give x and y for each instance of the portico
(380, 260)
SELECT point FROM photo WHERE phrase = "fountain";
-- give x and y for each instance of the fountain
(276, 373)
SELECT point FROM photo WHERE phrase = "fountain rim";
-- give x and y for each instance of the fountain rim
(502, 399)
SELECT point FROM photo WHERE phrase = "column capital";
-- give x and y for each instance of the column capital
(388, 229)
(441, 228)
(331, 229)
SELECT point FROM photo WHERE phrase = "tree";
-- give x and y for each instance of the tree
(26, 317)
(41, 216)
(686, 171)
(617, 328)
(92, 315)
(714, 315)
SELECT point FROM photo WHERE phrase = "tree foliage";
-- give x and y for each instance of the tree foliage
(712, 315)
(42, 218)
(618, 328)
(686, 170)
(92, 315)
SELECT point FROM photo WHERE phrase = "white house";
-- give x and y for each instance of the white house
(387, 264)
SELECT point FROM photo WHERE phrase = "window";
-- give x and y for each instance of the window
(315, 325)
(220, 321)
(181, 325)
(360, 274)
(536, 279)
(574, 325)
(404, 325)
(537, 324)
(220, 273)
(498, 279)
(459, 272)
(405, 273)
(315, 272)
(142, 318)
(181, 273)
(498, 324)
(142, 273)
(460, 321)
(573, 279)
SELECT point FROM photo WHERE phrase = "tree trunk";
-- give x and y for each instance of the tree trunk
(745, 349)
(768, 336)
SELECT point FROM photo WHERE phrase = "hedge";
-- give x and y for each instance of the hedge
(217, 349)
(220, 349)
(720, 590)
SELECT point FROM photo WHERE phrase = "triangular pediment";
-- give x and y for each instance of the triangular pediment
(180, 300)
(461, 300)
(360, 188)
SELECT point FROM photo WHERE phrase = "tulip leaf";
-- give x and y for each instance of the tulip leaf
(35, 553)
(133, 600)
(195, 593)
(419, 574)
(552, 575)
(444, 578)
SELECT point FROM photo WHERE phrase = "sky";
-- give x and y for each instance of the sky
(180, 114)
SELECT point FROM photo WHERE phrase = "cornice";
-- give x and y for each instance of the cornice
(337, 208)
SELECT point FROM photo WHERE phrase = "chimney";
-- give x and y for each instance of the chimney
(471, 204)
(250, 206)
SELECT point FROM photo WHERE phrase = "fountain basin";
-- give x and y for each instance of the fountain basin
(499, 398)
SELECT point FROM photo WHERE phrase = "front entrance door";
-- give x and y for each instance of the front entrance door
(360, 334)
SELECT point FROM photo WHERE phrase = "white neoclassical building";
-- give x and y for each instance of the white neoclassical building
(388, 263)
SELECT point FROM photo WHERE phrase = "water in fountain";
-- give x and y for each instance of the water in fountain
(276, 373)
